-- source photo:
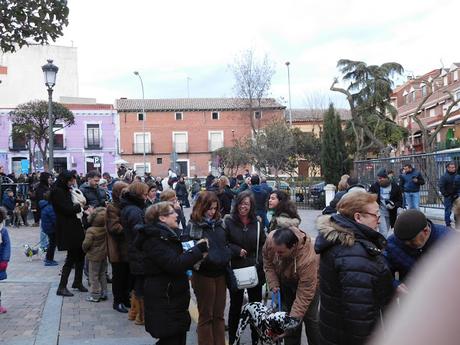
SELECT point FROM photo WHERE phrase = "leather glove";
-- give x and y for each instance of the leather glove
(203, 247)
(3, 265)
(390, 205)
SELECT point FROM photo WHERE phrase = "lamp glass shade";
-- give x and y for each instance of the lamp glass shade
(50, 72)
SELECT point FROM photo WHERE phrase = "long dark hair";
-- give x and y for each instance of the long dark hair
(285, 205)
(204, 203)
(239, 199)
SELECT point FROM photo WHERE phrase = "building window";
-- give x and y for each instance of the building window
(257, 114)
(18, 141)
(406, 99)
(432, 112)
(179, 116)
(59, 137)
(423, 90)
(140, 117)
(180, 142)
(413, 96)
(93, 136)
(215, 115)
(160, 160)
(455, 75)
(138, 146)
(457, 95)
(139, 168)
(216, 140)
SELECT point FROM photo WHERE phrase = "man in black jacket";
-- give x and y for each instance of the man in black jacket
(95, 196)
(389, 200)
(448, 189)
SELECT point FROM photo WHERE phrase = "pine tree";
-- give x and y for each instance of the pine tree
(333, 151)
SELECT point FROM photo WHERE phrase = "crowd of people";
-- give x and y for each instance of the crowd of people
(338, 285)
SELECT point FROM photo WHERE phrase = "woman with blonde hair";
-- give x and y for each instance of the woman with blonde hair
(208, 279)
(169, 195)
(165, 264)
(355, 282)
(343, 183)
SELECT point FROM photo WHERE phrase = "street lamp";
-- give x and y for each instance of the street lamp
(289, 88)
(50, 72)
(143, 119)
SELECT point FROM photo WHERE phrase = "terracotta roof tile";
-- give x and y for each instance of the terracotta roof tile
(191, 104)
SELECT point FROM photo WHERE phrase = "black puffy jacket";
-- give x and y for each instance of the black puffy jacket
(355, 281)
(132, 216)
(167, 291)
(219, 255)
(242, 236)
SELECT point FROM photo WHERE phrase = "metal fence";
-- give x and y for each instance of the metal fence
(431, 165)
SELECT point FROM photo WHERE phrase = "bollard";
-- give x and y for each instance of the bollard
(330, 193)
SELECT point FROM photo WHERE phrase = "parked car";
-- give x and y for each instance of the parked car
(317, 189)
(282, 185)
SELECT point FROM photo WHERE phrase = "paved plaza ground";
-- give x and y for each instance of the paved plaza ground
(36, 316)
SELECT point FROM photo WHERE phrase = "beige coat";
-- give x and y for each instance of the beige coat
(95, 243)
(302, 267)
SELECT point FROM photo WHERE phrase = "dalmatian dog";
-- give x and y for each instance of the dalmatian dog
(267, 323)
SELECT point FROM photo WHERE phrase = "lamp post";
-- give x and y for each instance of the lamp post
(289, 89)
(143, 120)
(50, 72)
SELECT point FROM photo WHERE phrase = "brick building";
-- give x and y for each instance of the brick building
(185, 130)
(311, 121)
(407, 97)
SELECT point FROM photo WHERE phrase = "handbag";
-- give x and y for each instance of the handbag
(247, 277)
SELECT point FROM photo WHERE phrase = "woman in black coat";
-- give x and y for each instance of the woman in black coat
(167, 291)
(241, 228)
(225, 195)
(355, 282)
(132, 204)
(69, 231)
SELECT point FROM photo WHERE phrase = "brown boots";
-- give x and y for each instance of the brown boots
(140, 314)
(136, 312)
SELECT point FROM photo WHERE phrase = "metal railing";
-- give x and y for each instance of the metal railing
(431, 165)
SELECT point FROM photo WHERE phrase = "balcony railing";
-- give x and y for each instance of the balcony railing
(180, 147)
(138, 148)
(93, 144)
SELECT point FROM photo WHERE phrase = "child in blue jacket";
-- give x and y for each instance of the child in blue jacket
(5, 251)
(48, 224)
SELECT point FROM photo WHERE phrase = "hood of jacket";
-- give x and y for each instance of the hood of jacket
(42, 204)
(257, 188)
(284, 221)
(131, 199)
(155, 230)
(337, 229)
(97, 218)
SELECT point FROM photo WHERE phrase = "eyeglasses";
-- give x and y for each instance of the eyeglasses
(376, 215)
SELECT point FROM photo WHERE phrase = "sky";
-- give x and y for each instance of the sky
(184, 48)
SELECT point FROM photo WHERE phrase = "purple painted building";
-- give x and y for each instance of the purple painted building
(90, 144)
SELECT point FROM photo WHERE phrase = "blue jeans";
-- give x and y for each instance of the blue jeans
(447, 209)
(412, 200)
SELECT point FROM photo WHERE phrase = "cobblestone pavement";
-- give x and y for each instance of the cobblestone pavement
(36, 316)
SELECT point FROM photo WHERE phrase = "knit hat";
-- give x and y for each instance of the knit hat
(409, 224)
(382, 172)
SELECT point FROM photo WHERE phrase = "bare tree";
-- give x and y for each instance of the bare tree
(252, 82)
